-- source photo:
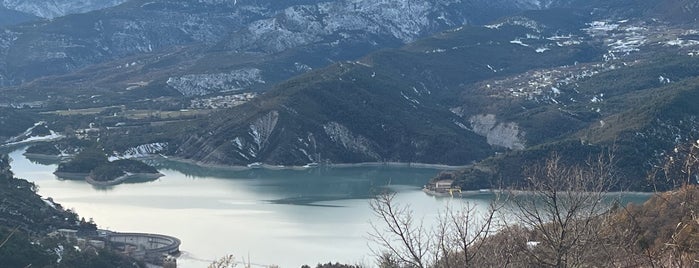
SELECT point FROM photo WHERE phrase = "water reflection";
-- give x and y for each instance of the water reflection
(312, 185)
(284, 217)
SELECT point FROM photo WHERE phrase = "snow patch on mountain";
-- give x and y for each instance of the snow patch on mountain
(518, 41)
(144, 150)
(518, 21)
(58, 8)
(262, 129)
(601, 28)
(506, 135)
(682, 43)
(249, 147)
(202, 84)
(7, 38)
(350, 141)
(36, 133)
(324, 21)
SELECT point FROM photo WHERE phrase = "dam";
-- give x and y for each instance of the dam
(152, 248)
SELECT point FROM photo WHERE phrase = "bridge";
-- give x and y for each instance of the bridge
(151, 248)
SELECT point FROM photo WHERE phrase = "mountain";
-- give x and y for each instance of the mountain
(26, 211)
(57, 8)
(635, 112)
(12, 17)
(181, 48)
(563, 80)
(360, 81)
(29, 224)
(388, 107)
(14, 122)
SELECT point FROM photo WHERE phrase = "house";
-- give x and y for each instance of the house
(443, 184)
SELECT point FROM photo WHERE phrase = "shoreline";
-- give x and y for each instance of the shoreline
(471, 193)
(119, 180)
(123, 178)
(45, 156)
(459, 194)
(305, 167)
(465, 193)
(70, 175)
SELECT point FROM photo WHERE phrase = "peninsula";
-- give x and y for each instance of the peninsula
(92, 165)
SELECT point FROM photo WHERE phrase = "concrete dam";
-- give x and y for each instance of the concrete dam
(152, 248)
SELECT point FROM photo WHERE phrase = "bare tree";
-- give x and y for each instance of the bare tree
(563, 207)
(224, 262)
(401, 237)
(678, 247)
(405, 242)
(229, 261)
(683, 164)
(561, 216)
(462, 233)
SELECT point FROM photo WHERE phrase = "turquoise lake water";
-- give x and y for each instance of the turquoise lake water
(283, 217)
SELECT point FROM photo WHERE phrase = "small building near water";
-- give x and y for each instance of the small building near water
(443, 184)
(444, 187)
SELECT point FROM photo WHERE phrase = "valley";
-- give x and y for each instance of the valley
(435, 100)
(278, 121)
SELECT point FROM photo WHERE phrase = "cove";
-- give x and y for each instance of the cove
(283, 217)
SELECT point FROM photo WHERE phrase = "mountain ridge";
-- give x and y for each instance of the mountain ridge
(495, 95)
(58, 8)
(520, 109)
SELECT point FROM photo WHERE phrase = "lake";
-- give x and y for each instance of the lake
(283, 217)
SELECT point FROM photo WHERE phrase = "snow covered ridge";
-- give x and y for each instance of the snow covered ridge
(334, 21)
(202, 84)
(58, 8)
(518, 21)
(143, 150)
(31, 135)
(356, 143)
(257, 139)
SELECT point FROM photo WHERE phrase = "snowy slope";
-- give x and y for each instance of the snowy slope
(58, 8)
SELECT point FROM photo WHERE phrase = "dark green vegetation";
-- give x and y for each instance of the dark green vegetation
(92, 65)
(578, 77)
(14, 122)
(112, 170)
(85, 161)
(93, 162)
(48, 149)
(18, 251)
(399, 104)
(96, 258)
(25, 222)
(390, 106)
(23, 209)
(636, 119)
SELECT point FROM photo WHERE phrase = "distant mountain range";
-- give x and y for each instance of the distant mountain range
(558, 80)
(13, 17)
(57, 8)
(491, 83)
(175, 47)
